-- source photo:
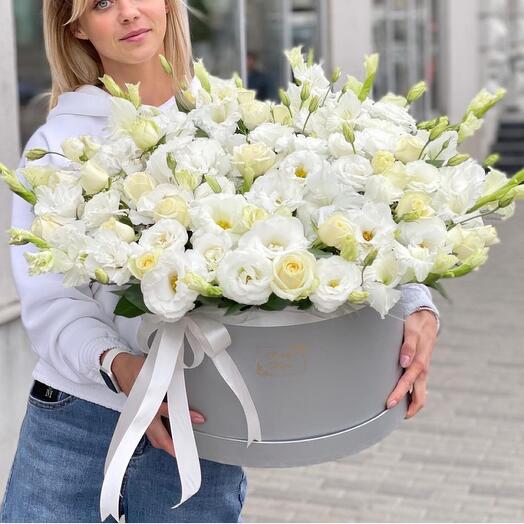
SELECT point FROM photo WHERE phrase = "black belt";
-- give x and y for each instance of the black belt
(44, 392)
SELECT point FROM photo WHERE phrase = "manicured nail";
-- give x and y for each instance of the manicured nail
(197, 419)
(404, 360)
(391, 404)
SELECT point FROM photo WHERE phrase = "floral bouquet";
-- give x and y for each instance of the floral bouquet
(326, 201)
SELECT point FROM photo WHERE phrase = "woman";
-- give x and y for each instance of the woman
(57, 471)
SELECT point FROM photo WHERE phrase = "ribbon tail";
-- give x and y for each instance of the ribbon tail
(182, 434)
(231, 374)
(139, 410)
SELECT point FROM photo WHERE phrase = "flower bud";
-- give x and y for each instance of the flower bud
(371, 64)
(10, 178)
(284, 97)
(200, 285)
(133, 94)
(112, 87)
(391, 98)
(305, 93)
(314, 104)
(371, 257)
(358, 297)
(491, 160)
(348, 132)
(336, 75)
(166, 65)
(440, 128)
(349, 249)
(239, 83)
(36, 154)
(21, 237)
(213, 184)
(101, 276)
(124, 232)
(426, 125)
(457, 160)
(469, 125)
(202, 75)
(39, 263)
(352, 84)
(416, 92)
(484, 101)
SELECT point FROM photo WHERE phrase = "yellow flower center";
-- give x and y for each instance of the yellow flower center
(224, 224)
(333, 283)
(146, 262)
(293, 267)
(173, 281)
(301, 172)
(368, 235)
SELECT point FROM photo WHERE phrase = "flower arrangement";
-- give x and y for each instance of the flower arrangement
(327, 199)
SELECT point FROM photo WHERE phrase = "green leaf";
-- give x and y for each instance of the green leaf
(200, 133)
(124, 308)
(304, 304)
(437, 286)
(235, 308)
(275, 303)
(319, 253)
(435, 163)
(134, 295)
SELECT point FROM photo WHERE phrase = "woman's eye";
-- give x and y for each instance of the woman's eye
(102, 4)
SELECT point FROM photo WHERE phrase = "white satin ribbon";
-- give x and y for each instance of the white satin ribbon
(163, 371)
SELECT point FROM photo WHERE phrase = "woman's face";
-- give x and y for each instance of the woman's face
(124, 31)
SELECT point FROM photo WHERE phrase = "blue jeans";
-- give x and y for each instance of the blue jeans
(57, 472)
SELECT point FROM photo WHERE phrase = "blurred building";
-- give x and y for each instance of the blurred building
(456, 46)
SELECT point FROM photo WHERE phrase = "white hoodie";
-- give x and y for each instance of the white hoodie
(69, 328)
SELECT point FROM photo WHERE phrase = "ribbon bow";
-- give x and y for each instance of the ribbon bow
(163, 371)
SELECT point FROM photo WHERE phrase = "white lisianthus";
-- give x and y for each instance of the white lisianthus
(380, 281)
(138, 184)
(337, 279)
(417, 262)
(275, 236)
(166, 201)
(203, 156)
(253, 160)
(380, 137)
(339, 146)
(294, 275)
(466, 242)
(274, 192)
(301, 165)
(40, 262)
(64, 201)
(40, 176)
(397, 115)
(142, 260)
(213, 246)
(414, 205)
(108, 252)
(422, 176)
(44, 226)
(275, 136)
(101, 208)
(219, 213)
(227, 187)
(255, 113)
(245, 276)
(380, 188)
(93, 178)
(163, 287)
(353, 171)
(429, 233)
(165, 234)
(374, 225)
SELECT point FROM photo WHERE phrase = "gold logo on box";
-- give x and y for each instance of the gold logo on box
(279, 363)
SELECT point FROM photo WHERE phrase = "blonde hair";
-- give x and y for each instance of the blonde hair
(75, 62)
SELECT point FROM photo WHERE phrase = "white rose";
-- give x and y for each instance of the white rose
(93, 178)
(166, 201)
(294, 275)
(414, 205)
(337, 279)
(353, 171)
(245, 276)
(253, 160)
(334, 230)
(255, 113)
(409, 148)
(422, 176)
(138, 184)
(124, 232)
(275, 236)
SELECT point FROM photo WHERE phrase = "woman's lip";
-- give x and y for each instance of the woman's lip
(135, 36)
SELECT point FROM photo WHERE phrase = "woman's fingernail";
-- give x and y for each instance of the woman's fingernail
(197, 419)
(391, 404)
(404, 360)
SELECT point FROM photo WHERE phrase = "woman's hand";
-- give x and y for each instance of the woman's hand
(420, 334)
(126, 368)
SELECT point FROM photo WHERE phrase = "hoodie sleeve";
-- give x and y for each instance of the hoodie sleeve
(417, 297)
(66, 326)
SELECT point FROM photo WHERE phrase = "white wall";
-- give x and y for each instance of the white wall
(9, 151)
(349, 34)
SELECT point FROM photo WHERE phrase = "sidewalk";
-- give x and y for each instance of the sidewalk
(461, 459)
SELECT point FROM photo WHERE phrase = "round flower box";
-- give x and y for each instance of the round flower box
(320, 388)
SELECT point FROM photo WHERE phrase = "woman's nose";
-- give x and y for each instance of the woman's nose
(128, 11)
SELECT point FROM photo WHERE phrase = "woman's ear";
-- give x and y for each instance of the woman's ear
(78, 32)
